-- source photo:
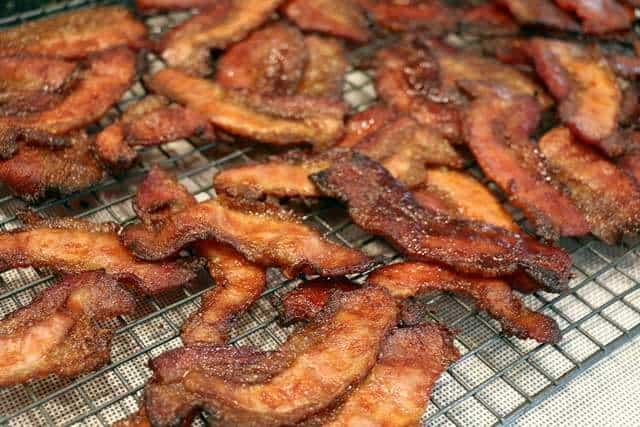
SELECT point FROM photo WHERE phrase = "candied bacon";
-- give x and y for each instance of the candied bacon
(609, 199)
(365, 123)
(57, 332)
(540, 13)
(75, 34)
(26, 73)
(433, 16)
(601, 16)
(326, 68)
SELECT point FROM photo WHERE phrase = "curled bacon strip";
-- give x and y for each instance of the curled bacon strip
(274, 120)
(540, 12)
(308, 299)
(600, 17)
(109, 75)
(74, 34)
(57, 333)
(382, 206)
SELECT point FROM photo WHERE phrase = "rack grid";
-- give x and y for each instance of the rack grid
(496, 380)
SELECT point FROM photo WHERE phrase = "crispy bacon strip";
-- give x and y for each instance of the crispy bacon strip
(238, 282)
(274, 120)
(434, 16)
(609, 199)
(150, 121)
(57, 333)
(497, 132)
(584, 85)
(74, 34)
(381, 205)
(36, 172)
(488, 19)
(149, 7)
(31, 73)
(365, 123)
(226, 22)
(269, 61)
(627, 66)
(540, 13)
(630, 163)
(601, 16)
(409, 279)
(69, 245)
(326, 68)
(339, 18)
(109, 75)
(308, 299)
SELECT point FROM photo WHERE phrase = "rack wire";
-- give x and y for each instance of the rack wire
(496, 380)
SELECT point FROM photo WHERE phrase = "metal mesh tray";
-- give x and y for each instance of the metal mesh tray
(496, 380)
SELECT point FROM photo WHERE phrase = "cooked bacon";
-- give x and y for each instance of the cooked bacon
(238, 282)
(340, 18)
(381, 205)
(149, 7)
(409, 279)
(627, 66)
(264, 234)
(433, 16)
(308, 299)
(540, 13)
(497, 132)
(225, 22)
(74, 34)
(333, 353)
(630, 163)
(326, 68)
(601, 16)
(488, 19)
(584, 85)
(36, 172)
(70, 245)
(57, 333)
(365, 123)
(31, 73)
(270, 61)
(21, 102)
(609, 199)
(274, 120)
(109, 75)
(150, 121)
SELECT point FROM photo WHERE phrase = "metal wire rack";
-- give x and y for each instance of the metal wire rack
(496, 380)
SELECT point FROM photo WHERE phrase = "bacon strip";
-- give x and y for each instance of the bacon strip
(339, 18)
(540, 13)
(609, 199)
(274, 120)
(434, 16)
(109, 75)
(584, 85)
(269, 61)
(382, 206)
(601, 16)
(226, 22)
(308, 299)
(36, 172)
(74, 34)
(326, 68)
(150, 121)
(409, 279)
(497, 132)
(57, 333)
(69, 245)
(149, 7)
(238, 282)
(32, 73)
(365, 123)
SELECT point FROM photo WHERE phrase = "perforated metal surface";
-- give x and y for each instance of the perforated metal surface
(496, 380)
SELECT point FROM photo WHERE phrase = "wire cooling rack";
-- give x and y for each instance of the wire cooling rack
(495, 381)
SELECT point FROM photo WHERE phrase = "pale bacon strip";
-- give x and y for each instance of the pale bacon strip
(57, 332)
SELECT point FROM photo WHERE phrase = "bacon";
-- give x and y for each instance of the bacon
(70, 246)
(326, 68)
(150, 121)
(308, 299)
(488, 20)
(33, 74)
(409, 279)
(74, 34)
(109, 75)
(273, 120)
(36, 172)
(397, 390)
(609, 199)
(227, 21)
(238, 282)
(540, 13)
(365, 123)
(584, 85)
(382, 206)
(630, 163)
(264, 234)
(601, 16)
(57, 333)
(497, 132)
(339, 18)
(433, 16)
(150, 7)
(269, 61)
(627, 66)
